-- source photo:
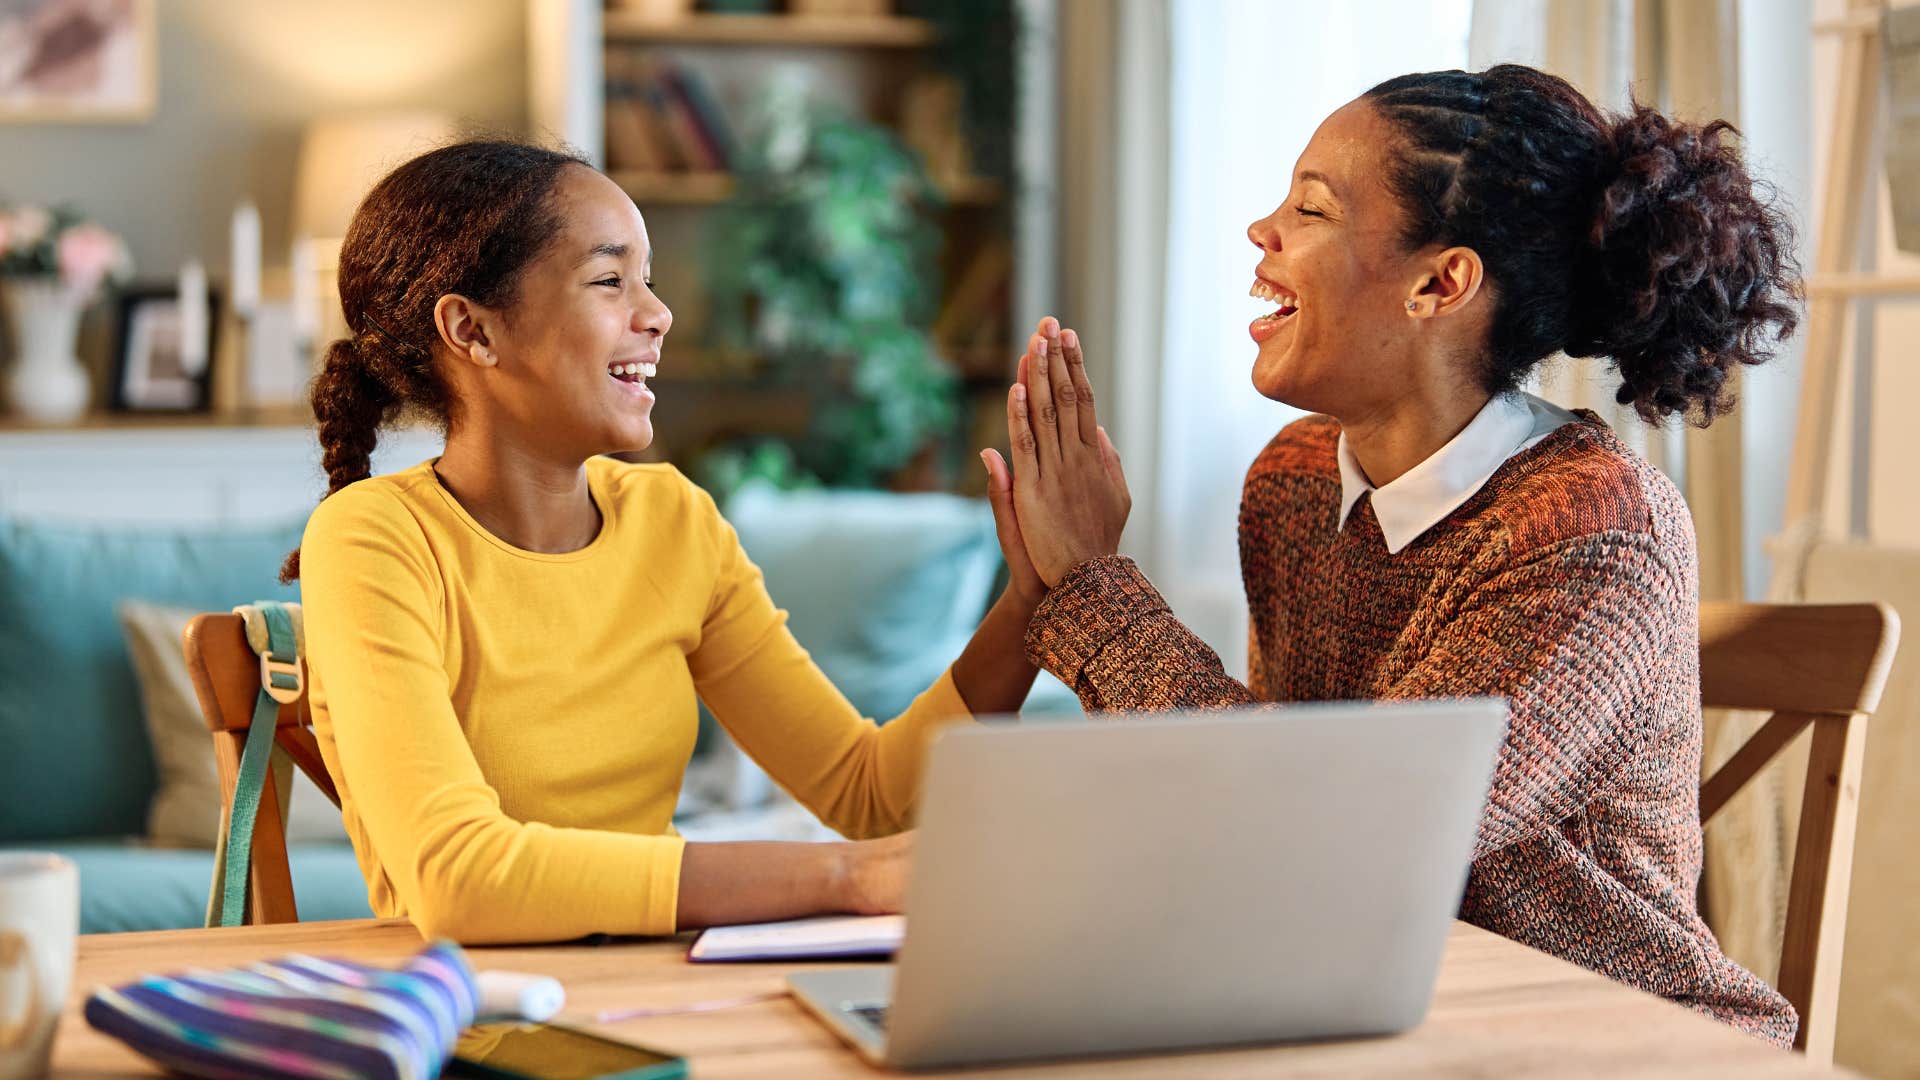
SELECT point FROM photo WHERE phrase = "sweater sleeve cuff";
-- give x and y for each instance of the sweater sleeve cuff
(1093, 603)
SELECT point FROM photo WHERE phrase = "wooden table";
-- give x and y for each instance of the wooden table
(1500, 1010)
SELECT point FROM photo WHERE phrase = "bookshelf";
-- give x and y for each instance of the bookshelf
(672, 98)
(703, 188)
(850, 32)
(694, 77)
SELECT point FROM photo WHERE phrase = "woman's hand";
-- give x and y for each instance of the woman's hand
(875, 879)
(1070, 499)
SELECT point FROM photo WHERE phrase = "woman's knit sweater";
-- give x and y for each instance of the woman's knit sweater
(1567, 584)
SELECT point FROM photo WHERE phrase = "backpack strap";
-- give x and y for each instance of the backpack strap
(282, 681)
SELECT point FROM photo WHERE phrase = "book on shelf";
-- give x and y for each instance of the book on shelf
(691, 98)
(681, 150)
(635, 136)
(630, 143)
(973, 314)
(661, 117)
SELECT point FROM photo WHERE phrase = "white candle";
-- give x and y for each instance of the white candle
(306, 293)
(246, 260)
(193, 317)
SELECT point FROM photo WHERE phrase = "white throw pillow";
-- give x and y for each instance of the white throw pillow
(185, 811)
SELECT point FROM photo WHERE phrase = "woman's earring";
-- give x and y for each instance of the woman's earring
(1413, 305)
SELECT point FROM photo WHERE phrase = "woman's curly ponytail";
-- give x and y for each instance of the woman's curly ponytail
(1638, 238)
(1695, 265)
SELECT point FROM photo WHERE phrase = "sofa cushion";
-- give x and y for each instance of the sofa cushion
(78, 761)
(883, 589)
(186, 803)
(126, 886)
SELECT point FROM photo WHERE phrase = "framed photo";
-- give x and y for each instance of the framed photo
(150, 371)
(72, 60)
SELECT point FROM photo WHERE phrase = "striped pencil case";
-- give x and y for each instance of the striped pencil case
(298, 1016)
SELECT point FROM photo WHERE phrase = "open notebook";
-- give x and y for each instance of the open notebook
(829, 938)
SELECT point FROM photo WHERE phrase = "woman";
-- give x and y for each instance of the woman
(1437, 533)
(505, 643)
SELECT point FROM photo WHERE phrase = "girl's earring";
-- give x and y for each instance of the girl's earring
(1413, 305)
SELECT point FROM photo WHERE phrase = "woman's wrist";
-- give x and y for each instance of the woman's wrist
(1074, 562)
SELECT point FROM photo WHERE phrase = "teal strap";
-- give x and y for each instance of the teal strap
(254, 761)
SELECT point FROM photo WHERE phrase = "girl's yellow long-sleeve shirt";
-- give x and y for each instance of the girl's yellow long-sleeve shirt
(509, 730)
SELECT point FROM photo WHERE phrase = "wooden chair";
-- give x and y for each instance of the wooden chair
(1819, 666)
(226, 678)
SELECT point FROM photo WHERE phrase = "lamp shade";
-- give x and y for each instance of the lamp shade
(342, 157)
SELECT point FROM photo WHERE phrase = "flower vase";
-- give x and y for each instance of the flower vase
(47, 384)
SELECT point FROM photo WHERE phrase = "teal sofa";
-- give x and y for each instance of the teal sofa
(883, 590)
(77, 772)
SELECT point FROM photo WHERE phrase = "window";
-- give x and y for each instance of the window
(1251, 80)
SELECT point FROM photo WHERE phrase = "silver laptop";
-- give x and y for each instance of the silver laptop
(1173, 882)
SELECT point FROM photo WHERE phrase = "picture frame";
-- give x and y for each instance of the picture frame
(67, 61)
(148, 372)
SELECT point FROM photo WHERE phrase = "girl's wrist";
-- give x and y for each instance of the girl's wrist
(1022, 601)
(841, 892)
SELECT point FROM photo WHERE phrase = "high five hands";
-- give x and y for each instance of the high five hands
(1065, 500)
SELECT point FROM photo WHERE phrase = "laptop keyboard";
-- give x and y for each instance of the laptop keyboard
(872, 1014)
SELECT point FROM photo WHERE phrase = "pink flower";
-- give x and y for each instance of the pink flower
(86, 254)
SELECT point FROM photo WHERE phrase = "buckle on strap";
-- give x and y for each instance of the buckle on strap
(282, 681)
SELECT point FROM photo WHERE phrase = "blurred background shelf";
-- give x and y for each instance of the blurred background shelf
(692, 100)
(710, 188)
(675, 188)
(278, 416)
(776, 30)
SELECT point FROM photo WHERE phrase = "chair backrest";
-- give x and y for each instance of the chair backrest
(1818, 666)
(226, 678)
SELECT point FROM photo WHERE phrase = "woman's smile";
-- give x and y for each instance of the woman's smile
(1271, 323)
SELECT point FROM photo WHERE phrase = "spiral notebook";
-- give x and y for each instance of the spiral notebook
(830, 938)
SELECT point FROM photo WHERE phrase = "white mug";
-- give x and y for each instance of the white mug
(39, 924)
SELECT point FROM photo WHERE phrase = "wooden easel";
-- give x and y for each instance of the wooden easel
(1837, 283)
(1837, 280)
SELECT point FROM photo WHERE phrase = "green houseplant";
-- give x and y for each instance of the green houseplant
(825, 264)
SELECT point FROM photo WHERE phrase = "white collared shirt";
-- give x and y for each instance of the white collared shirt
(1424, 495)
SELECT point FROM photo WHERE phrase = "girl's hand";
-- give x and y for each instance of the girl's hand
(1023, 581)
(1069, 493)
(875, 875)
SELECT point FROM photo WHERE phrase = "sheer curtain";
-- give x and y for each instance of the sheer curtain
(1250, 81)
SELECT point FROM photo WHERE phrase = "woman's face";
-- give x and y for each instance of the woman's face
(1331, 261)
(585, 330)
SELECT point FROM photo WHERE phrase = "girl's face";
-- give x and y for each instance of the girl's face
(1331, 261)
(585, 330)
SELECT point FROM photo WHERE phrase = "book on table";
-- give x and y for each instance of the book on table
(829, 938)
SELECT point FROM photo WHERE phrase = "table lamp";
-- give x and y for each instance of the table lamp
(341, 158)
